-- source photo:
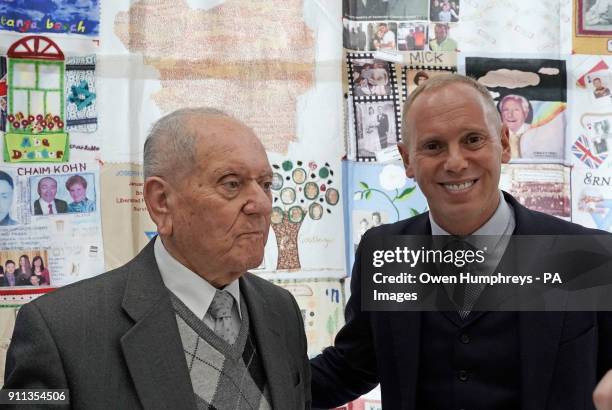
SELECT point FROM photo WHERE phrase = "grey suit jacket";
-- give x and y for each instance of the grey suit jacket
(114, 342)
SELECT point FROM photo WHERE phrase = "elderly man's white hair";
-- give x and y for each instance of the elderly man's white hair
(170, 144)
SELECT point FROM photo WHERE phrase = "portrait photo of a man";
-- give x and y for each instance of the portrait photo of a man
(47, 203)
(7, 186)
(599, 88)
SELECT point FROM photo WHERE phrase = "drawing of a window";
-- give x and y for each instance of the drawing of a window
(35, 102)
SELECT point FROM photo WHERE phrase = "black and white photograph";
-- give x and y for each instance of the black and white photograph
(385, 9)
(376, 127)
(355, 35)
(594, 17)
(371, 77)
(599, 131)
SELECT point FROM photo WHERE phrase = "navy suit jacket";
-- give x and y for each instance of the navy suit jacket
(61, 206)
(562, 354)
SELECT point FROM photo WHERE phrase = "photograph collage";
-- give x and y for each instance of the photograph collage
(198, 199)
(394, 25)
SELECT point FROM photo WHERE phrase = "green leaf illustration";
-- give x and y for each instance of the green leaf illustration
(367, 194)
(405, 194)
(364, 185)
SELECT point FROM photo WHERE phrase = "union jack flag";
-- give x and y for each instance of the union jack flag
(582, 151)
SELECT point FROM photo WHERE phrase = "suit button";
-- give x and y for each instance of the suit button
(465, 339)
(463, 375)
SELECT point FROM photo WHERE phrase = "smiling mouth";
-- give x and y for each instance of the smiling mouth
(458, 186)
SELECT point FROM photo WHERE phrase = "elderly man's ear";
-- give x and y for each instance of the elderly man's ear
(158, 197)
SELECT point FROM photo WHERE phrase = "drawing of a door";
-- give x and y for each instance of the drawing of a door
(35, 102)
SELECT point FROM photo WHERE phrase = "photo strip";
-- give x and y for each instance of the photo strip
(377, 127)
(371, 77)
(373, 90)
(413, 76)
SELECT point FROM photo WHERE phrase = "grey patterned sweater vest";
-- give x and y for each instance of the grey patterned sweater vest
(223, 376)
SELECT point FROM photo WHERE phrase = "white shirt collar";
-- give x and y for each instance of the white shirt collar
(44, 205)
(194, 291)
(495, 226)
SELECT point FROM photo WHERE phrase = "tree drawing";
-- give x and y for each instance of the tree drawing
(299, 191)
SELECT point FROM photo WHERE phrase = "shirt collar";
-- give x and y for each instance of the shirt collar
(496, 225)
(194, 291)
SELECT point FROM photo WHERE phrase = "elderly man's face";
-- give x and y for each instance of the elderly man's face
(455, 155)
(221, 211)
(513, 115)
(6, 199)
(47, 189)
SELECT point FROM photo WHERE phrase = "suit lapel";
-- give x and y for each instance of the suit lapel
(266, 327)
(152, 348)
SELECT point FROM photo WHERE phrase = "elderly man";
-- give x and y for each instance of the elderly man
(514, 110)
(453, 145)
(6, 199)
(182, 325)
(47, 203)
